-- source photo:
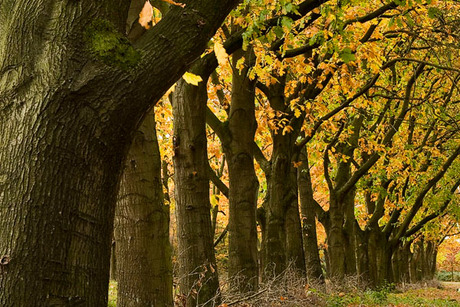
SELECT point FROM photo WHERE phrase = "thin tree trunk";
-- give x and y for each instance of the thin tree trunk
(199, 281)
(431, 255)
(372, 243)
(113, 262)
(295, 255)
(336, 241)
(350, 235)
(310, 240)
(362, 248)
(143, 250)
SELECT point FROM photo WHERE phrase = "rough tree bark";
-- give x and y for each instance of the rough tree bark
(243, 183)
(143, 251)
(68, 110)
(237, 137)
(199, 281)
(308, 209)
(283, 242)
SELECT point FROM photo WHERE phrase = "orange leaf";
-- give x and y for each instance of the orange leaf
(175, 3)
(146, 15)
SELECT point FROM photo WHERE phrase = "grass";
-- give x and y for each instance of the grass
(426, 297)
(417, 296)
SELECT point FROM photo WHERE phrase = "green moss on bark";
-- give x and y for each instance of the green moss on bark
(110, 46)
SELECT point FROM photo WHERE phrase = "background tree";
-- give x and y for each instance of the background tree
(144, 269)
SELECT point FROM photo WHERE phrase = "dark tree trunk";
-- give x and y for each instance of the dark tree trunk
(419, 260)
(342, 237)
(431, 254)
(67, 118)
(113, 262)
(198, 278)
(243, 182)
(362, 252)
(307, 204)
(327, 262)
(384, 270)
(295, 255)
(143, 250)
(396, 265)
(404, 263)
(283, 242)
(261, 220)
(350, 228)
(281, 196)
(372, 256)
(380, 254)
(336, 242)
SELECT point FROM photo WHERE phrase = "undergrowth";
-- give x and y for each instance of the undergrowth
(292, 290)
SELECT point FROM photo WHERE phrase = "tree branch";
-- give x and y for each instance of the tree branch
(419, 200)
(358, 174)
(217, 182)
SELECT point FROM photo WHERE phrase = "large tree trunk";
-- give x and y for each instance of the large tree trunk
(143, 251)
(66, 121)
(243, 182)
(283, 228)
(198, 276)
(282, 195)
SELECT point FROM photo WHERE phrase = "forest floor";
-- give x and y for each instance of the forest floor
(445, 294)
(442, 294)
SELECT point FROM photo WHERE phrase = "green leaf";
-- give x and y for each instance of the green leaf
(286, 22)
(410, 21)
(347, 55)
(434, 12)
(278, 31)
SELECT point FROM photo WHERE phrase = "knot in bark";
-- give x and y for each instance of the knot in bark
(4, 260)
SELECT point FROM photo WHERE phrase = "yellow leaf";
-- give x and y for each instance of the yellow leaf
(220, 52)
(287, 129)
(146, 15)
(214, 200)
(297, 113)
(192, 78)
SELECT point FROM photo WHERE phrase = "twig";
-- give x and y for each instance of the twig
(247, 297)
